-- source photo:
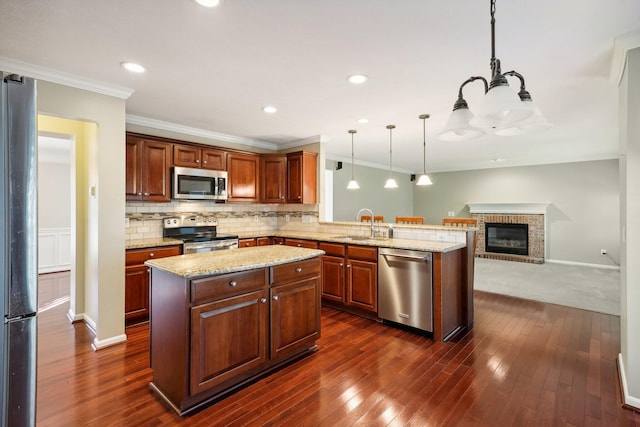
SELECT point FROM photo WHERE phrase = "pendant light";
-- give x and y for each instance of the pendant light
(353, 184)
(502, 110)
(424, 178)
(391, 183)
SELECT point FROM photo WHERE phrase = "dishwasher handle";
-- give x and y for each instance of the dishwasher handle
(419, 258)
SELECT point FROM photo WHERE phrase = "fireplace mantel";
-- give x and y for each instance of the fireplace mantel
(509, 208)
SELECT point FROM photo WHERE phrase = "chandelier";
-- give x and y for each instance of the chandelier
(502, 112)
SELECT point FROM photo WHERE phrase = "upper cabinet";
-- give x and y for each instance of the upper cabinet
(197, 157)
(274, 178)
(243, 173)
(301, 177)
(148, 170)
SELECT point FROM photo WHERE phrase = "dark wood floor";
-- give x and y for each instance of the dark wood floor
(525, 364)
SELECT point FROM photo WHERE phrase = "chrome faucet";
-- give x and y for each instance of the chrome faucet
(370, 213)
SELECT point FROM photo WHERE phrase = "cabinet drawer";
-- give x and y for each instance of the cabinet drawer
(334, 249)
(365, 253)
(294, 271)
(311, 244)
(225, 285)
(246, 243)
(139, 256)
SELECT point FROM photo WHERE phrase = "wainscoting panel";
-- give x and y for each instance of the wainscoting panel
(54, 250)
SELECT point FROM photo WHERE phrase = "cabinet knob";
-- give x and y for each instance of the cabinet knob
(341, 264)
(139, 194)
(275, 298)
(197, 161)
(152, 254)
(146, 194)
(299, 245)
(298, 270)
(233, 283)
(204, 162)
(263, 300)
(348, 265)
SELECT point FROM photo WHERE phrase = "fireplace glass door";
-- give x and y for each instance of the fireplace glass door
(507, 238)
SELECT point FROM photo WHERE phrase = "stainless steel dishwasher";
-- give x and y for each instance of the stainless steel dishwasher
(405, 291)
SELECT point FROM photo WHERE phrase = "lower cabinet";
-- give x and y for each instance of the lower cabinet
(136, 281)
(231, 328)
(350, 276)
(228, 338)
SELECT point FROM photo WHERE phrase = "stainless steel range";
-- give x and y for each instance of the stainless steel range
(198, 233)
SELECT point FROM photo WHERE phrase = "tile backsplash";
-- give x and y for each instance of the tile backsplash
(145, 219)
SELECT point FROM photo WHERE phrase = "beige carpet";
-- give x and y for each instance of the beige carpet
(589, 288)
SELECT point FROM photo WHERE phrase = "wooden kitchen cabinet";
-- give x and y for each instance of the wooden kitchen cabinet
(301, 243)
(295, 307)
(246, 243)
(221, 331)
(136, 281)
(350, 277)
(228, 338)
(301, 177)
(197, 157)
(243, 171)
(264, 241)
(148, 174)
(274, 178)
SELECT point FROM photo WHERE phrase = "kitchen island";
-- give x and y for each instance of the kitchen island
(222, 319)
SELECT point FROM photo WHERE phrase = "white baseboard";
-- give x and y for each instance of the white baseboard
(100, 344)
(627, 398)
(582, 264)
(73, 317)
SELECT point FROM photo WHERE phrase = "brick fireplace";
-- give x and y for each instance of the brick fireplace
(532, 214)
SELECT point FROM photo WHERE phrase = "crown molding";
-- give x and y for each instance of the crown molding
(316, 139)
(187, 130)
(66, 79)
(621, 46)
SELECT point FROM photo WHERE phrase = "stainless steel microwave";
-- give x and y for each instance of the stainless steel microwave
(198, 184)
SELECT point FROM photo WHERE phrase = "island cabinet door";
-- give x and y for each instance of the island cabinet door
(229, 338)
(362, 284)
(295, 317)
(136, 292)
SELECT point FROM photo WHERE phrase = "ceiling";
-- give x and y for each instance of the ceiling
(213, 69)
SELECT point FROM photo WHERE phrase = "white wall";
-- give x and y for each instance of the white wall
(101, 219)
(583, 216)
(54, 195)
(630, 228)
(372, 194)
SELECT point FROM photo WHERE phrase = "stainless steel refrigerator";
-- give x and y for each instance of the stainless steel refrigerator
(18, 249)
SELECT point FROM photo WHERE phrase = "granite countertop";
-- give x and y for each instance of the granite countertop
(150, 243)
(381, 242)
(230, 261)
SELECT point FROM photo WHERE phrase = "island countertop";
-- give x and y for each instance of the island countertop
(229, 261)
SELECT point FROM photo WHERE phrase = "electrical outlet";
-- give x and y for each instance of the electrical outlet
(603, 251)
(451, 213)
(126, 222)
(286, 218)
(256, 217)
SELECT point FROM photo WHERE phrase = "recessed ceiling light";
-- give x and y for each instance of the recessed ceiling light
(357, 79)
(497, 160)
(363, 120)
(209, 3)
(133, 67)
(269, 109)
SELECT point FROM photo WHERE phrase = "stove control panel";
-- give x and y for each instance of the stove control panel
(189, 221)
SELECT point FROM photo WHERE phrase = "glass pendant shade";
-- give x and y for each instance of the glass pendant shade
(424, 180)
(391, 183)
(353, 185)
(500, 105)
(458, 128)
(534, 123)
